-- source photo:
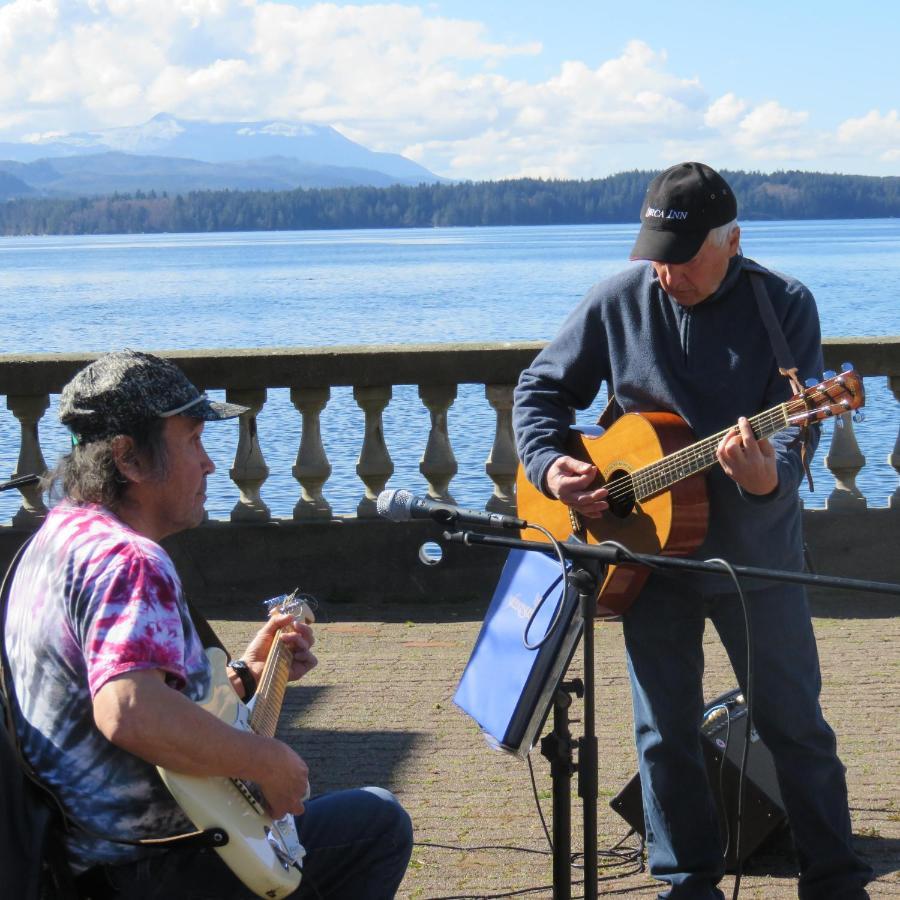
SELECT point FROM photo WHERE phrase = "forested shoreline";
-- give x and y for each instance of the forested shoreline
(524, 201)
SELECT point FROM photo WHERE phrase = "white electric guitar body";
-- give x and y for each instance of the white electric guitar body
(264, 853)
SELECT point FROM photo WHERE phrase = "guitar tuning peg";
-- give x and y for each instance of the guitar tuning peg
(846, 367)
(810, 382)
(859, 416)
(830, 373)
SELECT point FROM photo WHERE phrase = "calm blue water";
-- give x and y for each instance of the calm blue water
(347, 287)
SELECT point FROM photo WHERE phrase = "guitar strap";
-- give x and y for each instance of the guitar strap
(205, 631)
(783, 357)
(610, 413)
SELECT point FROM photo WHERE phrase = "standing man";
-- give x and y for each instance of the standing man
(681, 332)
(107, 664)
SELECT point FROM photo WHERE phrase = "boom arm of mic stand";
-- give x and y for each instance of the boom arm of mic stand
(19, 481)
(609, 554)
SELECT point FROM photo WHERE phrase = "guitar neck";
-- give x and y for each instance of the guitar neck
(661, 475)
(271, 688)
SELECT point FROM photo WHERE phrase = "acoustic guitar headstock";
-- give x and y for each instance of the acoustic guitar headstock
(839, 393)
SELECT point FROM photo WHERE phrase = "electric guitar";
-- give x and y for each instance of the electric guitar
(264, 853)
(651, 468)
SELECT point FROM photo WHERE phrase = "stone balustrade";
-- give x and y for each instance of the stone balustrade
(372, 372)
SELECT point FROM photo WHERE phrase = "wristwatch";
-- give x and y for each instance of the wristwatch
(247, 680)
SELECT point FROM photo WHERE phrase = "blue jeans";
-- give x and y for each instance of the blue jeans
(357, 842)
(663, 638)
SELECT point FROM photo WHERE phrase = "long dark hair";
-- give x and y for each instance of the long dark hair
(89, 473)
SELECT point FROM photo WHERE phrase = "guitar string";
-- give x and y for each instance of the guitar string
(264, 719)
(776, 419)
(702, 454)
(653, 478)
(683, 462)
(659, 475)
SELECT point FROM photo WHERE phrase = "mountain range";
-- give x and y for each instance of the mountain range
(168, 154)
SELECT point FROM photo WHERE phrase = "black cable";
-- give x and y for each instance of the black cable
(623, 857)
(634, 856)
(721, 779)
(557, 549)
(537, 803)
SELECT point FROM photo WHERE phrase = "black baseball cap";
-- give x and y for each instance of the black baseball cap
(122, 391)
(682, 205)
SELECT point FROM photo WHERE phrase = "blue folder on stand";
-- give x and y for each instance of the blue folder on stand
(506, 687)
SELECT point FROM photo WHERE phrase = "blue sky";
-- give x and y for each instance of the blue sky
(476, 89)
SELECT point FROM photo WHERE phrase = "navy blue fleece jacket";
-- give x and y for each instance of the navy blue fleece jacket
(709, 363)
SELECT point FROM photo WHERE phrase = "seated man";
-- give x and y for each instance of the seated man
(107, 663)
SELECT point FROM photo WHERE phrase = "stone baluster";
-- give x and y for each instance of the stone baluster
(894, 458)
(312, 468)
(502, 461)
(375, 465)
(844, 460)
(438, 464)
(29, 409)
(250, 469)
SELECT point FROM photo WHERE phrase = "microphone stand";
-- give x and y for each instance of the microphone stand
(20, 481)
(558, 746)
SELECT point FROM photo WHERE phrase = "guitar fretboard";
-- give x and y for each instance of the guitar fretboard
(661, 475)
(270, 692)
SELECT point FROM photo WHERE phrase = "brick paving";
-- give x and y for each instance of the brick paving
(378, 710)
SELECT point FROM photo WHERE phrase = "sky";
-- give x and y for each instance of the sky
(481, 90)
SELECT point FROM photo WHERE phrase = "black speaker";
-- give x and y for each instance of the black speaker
(723, 728)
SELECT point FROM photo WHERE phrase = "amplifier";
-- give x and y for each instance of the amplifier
(723, 727)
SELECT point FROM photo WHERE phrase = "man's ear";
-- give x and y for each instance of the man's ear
(734, 240)
(126, 458)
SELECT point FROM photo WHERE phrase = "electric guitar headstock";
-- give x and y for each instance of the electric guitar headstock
(300, 606)
(839, 393)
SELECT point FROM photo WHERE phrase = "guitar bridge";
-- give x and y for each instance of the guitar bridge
(287, 849)
(576, 522)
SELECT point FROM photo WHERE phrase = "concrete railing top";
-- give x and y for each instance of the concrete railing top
(371, 364)
(358, 365)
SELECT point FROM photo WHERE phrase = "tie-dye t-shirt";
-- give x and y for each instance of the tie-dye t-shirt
(93, 599)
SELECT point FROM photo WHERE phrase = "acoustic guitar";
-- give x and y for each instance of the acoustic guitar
(264, 853)
(652, 469)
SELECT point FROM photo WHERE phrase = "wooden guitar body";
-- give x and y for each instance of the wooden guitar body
(653, 471)
(672, 523)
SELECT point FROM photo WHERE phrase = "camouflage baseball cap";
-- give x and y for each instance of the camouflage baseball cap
(121, 391)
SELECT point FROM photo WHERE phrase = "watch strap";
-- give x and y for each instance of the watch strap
(247, 680)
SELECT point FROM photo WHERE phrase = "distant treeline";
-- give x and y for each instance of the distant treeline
(523, 201)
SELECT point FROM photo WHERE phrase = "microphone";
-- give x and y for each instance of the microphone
(401, 506)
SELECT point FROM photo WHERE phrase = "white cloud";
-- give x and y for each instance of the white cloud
(394, 77)
(877, 133)
(724, 112)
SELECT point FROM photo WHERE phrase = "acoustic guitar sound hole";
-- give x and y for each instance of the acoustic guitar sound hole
(621, 494)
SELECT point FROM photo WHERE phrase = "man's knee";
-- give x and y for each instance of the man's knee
(397, 822)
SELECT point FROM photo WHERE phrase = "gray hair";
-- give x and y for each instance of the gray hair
(719, 236)
(89, 473)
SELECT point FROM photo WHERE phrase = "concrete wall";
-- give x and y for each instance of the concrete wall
(377, 562)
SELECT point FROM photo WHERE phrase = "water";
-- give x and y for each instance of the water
(66, 294)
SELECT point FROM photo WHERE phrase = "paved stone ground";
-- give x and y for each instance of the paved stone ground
(378, 710)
